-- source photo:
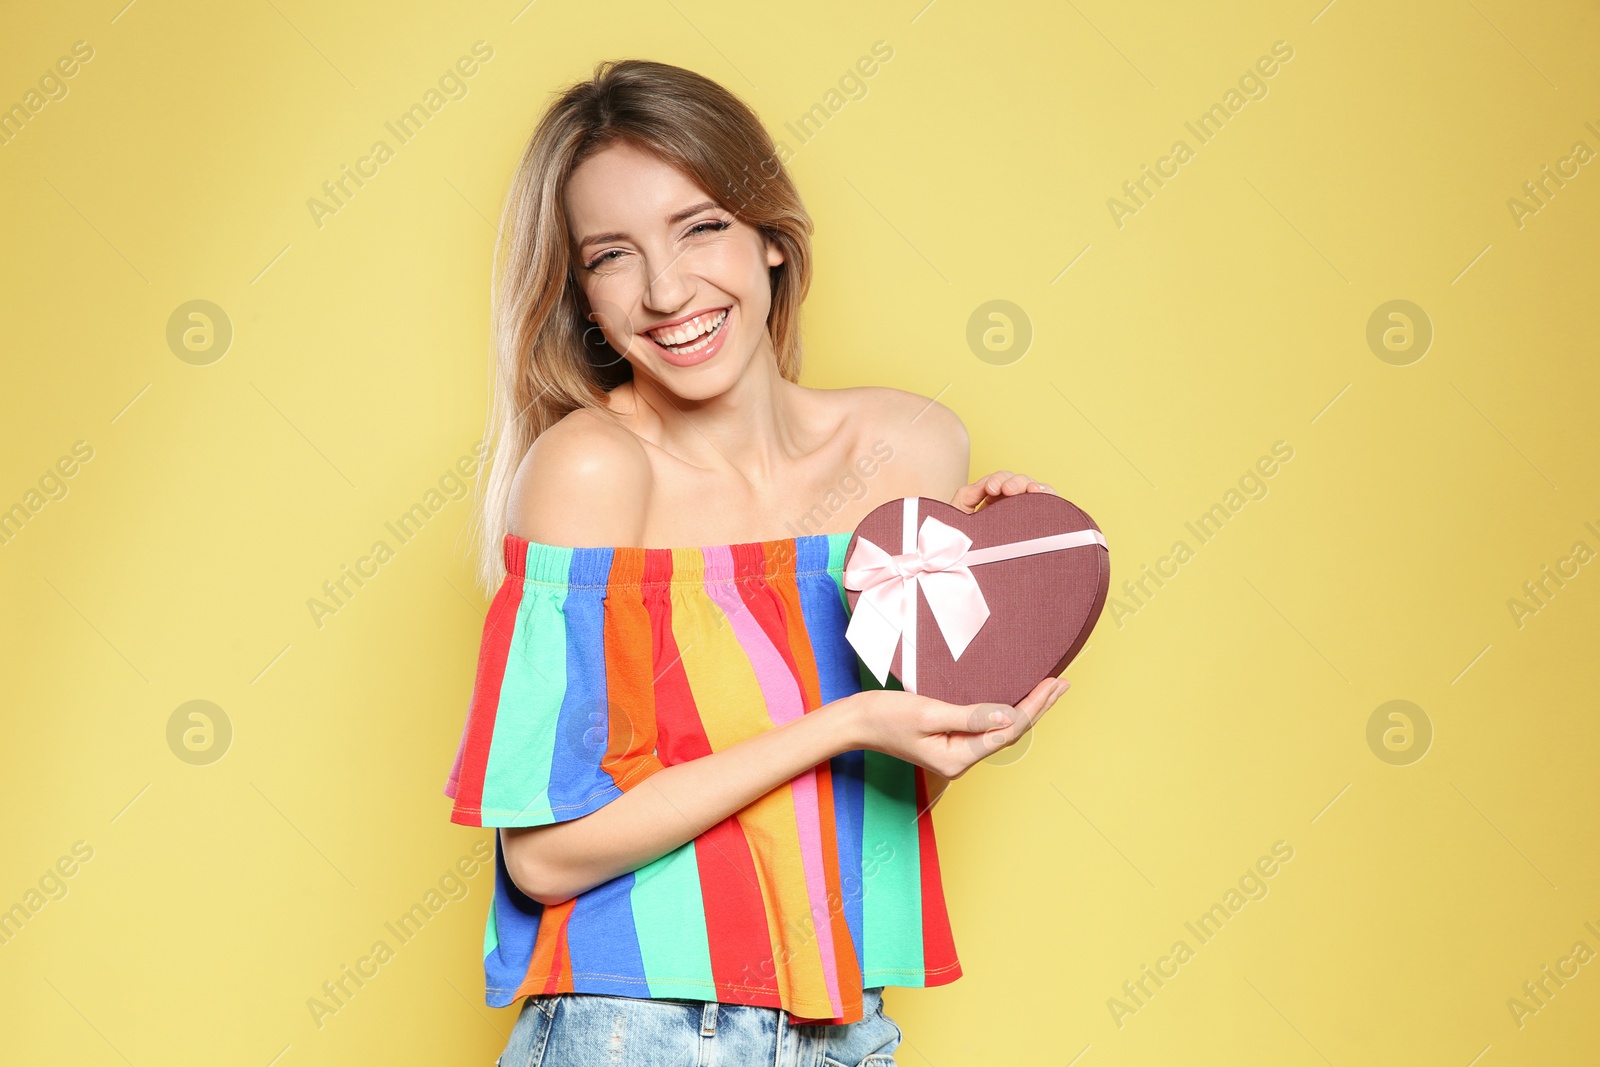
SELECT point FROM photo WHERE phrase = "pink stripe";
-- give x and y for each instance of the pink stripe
(781, 691)
(808, 819)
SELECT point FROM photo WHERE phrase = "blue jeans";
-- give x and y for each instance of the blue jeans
(590, 1029)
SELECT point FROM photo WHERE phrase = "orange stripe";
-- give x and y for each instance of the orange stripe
(844, 946)
(630, 690)
(549, 968)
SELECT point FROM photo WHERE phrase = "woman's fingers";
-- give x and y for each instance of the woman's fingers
(994, 486)
(968, 497)
(982, 718)
(1034, 705)
(966, 718)
(996, 733)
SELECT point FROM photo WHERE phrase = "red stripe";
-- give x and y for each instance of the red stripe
(680, 736)
(736, 929)
(493, 653)
(561, 980)
(938, 946)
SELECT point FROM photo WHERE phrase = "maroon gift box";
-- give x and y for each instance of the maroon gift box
(1041, 605)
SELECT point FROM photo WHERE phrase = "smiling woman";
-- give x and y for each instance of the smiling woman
(700, 240)
(607, 255)
(715, 825)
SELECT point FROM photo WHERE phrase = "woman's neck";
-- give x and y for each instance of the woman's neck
(749, 430)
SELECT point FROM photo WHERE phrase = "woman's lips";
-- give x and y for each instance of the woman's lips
(709, 344)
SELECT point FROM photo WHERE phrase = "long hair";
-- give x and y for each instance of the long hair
(548, 358)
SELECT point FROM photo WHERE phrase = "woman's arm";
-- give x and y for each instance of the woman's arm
(678, 803)
(675, 804)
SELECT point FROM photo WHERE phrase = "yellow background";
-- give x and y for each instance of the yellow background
(1230, 312)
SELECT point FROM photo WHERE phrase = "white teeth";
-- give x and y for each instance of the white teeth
(685, 332)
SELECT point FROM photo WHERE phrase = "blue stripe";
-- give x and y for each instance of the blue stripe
(826, 612)
(516, 926)
(602, 941)
(601, 937)
(578, 782)
(849, 801)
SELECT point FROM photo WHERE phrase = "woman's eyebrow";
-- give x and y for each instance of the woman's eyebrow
(672, 220)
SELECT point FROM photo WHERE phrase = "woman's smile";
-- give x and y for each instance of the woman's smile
(694, 339)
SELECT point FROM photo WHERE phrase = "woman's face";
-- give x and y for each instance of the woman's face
(679, 285)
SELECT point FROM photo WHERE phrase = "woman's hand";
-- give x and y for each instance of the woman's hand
(948, 739)
(970, 498)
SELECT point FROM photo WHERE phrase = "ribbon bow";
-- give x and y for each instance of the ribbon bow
(939, 559)
(886, 611)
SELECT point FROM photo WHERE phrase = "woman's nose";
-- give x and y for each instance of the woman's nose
(665, 286)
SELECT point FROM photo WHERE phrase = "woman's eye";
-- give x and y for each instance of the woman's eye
(709, 226)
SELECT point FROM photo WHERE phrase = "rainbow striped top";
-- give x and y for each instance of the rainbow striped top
(600, 666)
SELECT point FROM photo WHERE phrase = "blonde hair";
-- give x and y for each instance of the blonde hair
(548, 358)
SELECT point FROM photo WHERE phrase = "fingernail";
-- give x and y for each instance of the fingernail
(1000, 717)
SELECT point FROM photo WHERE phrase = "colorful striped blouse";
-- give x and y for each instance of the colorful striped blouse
(600, 666)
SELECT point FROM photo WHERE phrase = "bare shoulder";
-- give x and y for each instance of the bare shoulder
(921, 428)
(585, 483)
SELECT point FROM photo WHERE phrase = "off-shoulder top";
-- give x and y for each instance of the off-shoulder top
(599, 667)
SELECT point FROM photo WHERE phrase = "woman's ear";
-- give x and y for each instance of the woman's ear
(774, 252)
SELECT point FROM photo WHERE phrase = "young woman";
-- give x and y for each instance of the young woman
(715, 841)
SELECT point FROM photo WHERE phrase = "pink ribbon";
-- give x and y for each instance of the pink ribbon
(938, 558)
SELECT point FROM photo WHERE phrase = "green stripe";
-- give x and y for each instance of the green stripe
(836, 547)
(891, 908)
(491, 932)
(516, 786)
(669, 918)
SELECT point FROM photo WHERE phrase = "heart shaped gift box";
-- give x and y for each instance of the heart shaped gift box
(974, 607)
